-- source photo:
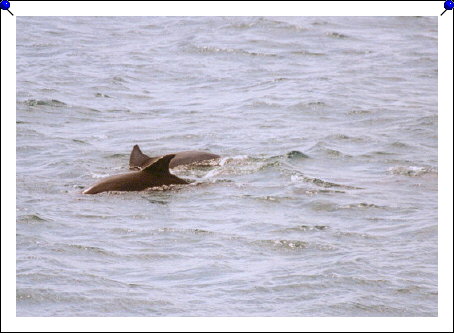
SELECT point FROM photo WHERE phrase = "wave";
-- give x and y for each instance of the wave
(412, 171)
(47, 102)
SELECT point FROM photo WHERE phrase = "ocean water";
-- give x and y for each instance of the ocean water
(324, 202)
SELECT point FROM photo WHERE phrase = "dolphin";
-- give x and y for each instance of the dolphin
(138, 160)
(155, 174)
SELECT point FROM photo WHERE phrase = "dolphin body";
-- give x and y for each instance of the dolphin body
(155, 174)
(138, 160)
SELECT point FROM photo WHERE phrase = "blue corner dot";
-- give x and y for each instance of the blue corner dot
(5, 5)
(449, 5)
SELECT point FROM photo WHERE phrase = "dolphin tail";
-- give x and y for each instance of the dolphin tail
(161, 166)
(137, 159)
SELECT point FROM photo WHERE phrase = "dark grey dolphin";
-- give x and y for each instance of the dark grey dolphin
(138, 160)
(155, 174)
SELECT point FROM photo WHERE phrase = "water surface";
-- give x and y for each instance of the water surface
(324, 202)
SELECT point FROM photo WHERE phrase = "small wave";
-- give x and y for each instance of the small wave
(118, 79)
(361, 205)
(52, 102)
(412, 171)
(102, 95)
(99, 175)
(342, 234)
(81, 249)
(307, 105)
(399, 144)
(283, 244)
(337, 35)
(32, 218)
(343, 137)
(308, 53)
(312, 191)
(270, 198)
(173, 187)
(39, 296)
(225, 160)
(267, 23)
(305, 228)
(359, 112)
(335, 153)
(264, 105)
(185, 231)
(295, 154)
(319, 182)
(217, 50)
(292, 245)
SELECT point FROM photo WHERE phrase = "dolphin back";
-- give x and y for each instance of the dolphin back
(137, 159)
(159, 167)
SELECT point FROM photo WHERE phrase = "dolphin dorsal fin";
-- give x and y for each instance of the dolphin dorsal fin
(137, 158)
(161, 166)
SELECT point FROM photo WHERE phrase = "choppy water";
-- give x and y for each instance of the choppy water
(324, 202)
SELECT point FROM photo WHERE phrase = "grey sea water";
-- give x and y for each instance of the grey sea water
(324, 202)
